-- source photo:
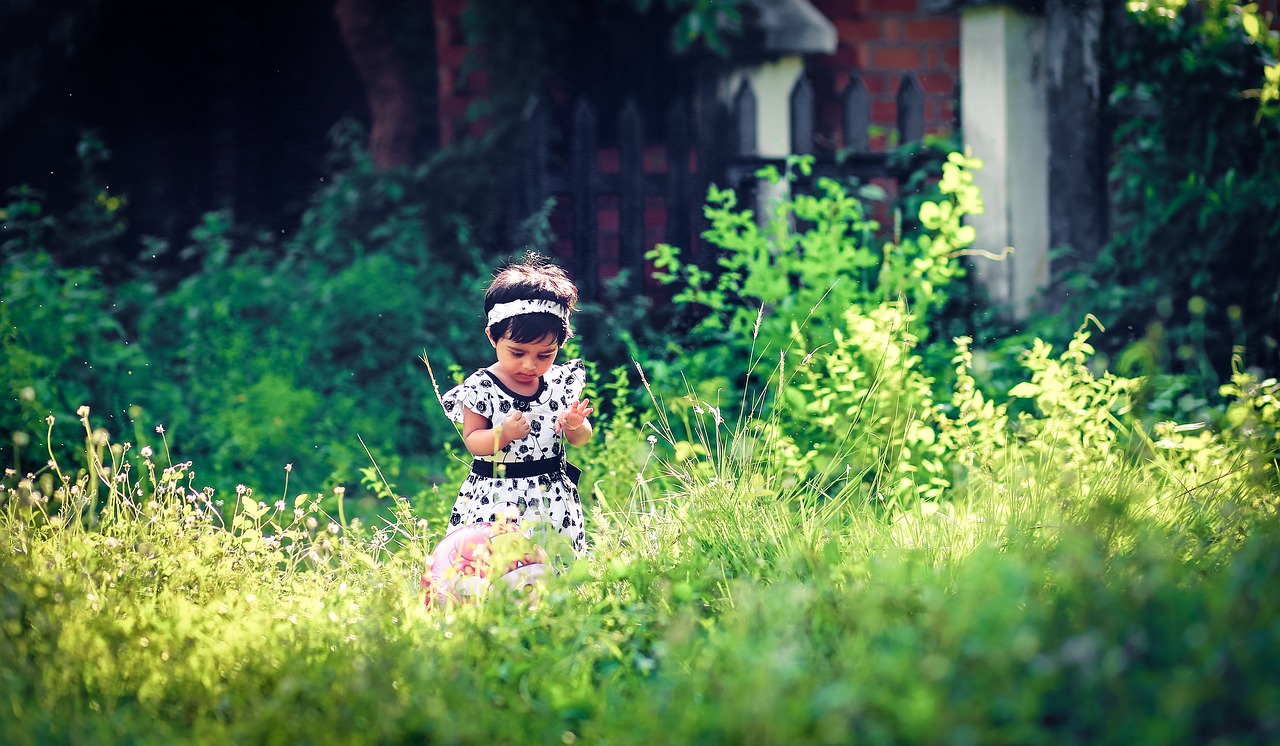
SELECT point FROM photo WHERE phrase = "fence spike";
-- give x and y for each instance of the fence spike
(533, 181)
(744, 111)
(631, 194)
(910, 110)
(802, 116)
(855, 105)
(583, 171)
(679, 136)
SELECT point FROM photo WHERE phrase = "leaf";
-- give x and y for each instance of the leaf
(1251, 25)
(1025, 390)
(770, 173)
(929, 214)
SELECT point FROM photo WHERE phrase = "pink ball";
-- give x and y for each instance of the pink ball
(470, 559)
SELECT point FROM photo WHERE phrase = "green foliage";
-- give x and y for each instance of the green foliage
(1253, 416)
(840, 311)
(62, 342)
(865, 406)
(817, 253)
(721, 601)
(714, 23)
(271, 350)
(1077, 411)
(275, 354)
(1192, 268)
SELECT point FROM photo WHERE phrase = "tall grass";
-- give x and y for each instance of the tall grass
(1086, 581)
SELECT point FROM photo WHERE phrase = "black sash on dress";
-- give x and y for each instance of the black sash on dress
(525, 469)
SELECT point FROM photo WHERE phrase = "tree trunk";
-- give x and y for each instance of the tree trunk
(1077, 86)
(368, 30)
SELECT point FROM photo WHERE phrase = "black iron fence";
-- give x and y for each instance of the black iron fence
(644, 179)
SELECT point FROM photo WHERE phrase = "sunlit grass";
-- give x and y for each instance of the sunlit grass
(1081, 583)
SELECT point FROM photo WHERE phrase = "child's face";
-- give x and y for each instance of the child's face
(526, 361)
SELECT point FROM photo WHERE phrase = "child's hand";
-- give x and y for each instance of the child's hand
(515, 427)
(574, 416)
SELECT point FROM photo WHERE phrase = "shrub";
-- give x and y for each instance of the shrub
(285, 355)
(723, 599)
(269, 351)
(815, 290)
(1192, 267)
(62, 343)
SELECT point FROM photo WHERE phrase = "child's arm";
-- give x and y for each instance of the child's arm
(483, 439)
(574, 423)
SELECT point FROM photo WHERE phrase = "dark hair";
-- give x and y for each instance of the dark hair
(533, 278)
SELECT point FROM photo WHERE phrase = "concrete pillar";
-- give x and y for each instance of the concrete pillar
(771, 82)
(1003, 120)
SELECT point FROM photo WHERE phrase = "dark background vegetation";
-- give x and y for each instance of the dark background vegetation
(208, 238)
(202, 106)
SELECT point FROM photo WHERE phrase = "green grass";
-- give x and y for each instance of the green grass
(1122, 596)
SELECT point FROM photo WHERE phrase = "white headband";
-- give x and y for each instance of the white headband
(504, 311)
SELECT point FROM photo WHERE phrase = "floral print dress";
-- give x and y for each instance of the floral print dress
(489, 493)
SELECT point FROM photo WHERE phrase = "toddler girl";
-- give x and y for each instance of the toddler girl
(516, 412)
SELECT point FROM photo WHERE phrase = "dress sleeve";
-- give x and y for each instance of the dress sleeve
(569, 380)
(469, 395)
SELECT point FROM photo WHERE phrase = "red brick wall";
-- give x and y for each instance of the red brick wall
(879, 39)
(882, 40)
